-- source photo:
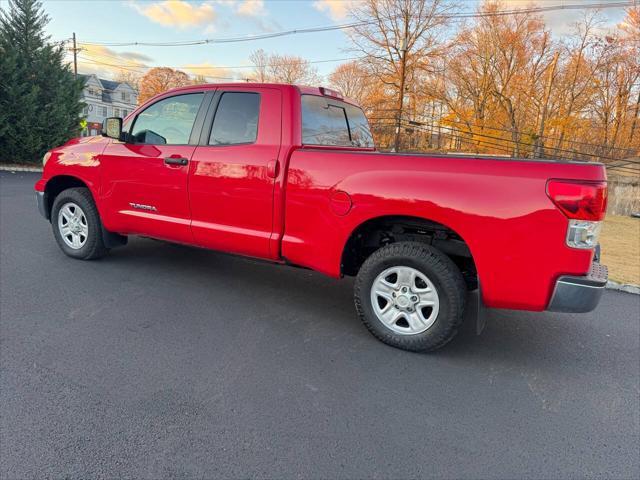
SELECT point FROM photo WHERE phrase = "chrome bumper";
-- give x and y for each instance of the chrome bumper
(579, 294)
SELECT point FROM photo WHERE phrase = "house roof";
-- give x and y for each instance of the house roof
(109, 85)
(106, 84)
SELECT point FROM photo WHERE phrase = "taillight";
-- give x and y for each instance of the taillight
(579, 200)
(584, 204)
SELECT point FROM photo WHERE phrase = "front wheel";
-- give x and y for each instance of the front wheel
(410, 296)
(76, 224)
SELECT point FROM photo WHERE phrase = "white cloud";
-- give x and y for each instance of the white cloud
(213, 73)
(336, 9)
(108, 63)
(562, 22)
(178, 13)
(251, 8)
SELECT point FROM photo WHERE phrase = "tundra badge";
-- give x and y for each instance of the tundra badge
(139, 206)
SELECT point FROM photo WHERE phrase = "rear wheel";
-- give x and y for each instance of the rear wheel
(410, 296)
(76, 224)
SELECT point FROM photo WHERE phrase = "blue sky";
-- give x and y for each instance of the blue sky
(171, 21)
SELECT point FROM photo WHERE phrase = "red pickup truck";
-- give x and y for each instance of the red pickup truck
(290, 175)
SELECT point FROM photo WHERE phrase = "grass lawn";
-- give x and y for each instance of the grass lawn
(620, 240)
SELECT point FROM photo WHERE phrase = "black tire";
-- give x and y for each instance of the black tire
(93, 246)
(440, 271)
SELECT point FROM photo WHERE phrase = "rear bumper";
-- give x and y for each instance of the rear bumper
(579, 294)
(41, 204)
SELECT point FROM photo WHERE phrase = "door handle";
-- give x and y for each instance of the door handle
(176, 161)
(273, 168)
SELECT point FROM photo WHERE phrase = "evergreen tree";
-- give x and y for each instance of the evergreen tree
(40, 100)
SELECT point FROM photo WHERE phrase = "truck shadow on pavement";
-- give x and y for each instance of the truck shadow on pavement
(325, 304)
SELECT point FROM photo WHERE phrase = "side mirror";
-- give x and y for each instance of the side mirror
(112, 128)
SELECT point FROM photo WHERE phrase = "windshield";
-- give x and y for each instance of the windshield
(328, 121)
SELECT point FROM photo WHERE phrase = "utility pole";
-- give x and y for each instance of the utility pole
(403, 64)
(539, 150)
(75, 57)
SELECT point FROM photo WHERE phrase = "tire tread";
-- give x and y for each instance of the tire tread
(449, 278)
(95, 243)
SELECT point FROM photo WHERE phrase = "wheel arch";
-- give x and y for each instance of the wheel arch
(376, 232)
(57, 184)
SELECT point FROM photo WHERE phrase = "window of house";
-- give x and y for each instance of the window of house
(326, 121)
(236, 119)
(168, 121)
(116, 112)
(105, 112)
(85, 110)
(124, 96)
(124, 113)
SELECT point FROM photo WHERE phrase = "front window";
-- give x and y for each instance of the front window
(236, 120)
(168, 121)
(327, 121)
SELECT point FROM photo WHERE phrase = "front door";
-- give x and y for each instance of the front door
(144, 184)
(233, 172)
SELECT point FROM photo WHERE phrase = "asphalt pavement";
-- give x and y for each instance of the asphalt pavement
(166, 361)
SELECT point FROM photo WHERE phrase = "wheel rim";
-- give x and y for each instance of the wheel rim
(73, 225)
(405, 300)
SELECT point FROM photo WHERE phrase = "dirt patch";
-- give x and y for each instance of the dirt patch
(620, 240)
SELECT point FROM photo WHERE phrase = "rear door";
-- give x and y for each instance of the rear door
(232, 172)
(144, 184)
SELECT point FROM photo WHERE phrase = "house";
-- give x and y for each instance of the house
(105, 98)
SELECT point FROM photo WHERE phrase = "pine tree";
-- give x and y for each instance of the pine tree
(40, 101)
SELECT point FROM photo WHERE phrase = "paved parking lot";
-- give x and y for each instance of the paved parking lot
(165, 361)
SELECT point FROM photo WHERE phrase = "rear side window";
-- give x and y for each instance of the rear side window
(323, 123)
(168, 121)
(332, 122)
(236, 120)
(358, 127)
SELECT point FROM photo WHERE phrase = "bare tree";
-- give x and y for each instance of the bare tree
(283, 69)
(399, 38)
(292, 69)
(260, 60)
(129, 77)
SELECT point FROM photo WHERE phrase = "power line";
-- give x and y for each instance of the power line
(223, 67)
(347, 26)
(89, 60)
(504, 148)
(422, 126)
(543, 137)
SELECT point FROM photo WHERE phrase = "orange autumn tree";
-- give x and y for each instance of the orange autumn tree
(498, 83)
(161, 79)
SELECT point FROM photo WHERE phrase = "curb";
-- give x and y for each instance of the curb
(19, 168)
(622, 287)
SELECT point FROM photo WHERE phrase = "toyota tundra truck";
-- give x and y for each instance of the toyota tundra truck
(291, 175)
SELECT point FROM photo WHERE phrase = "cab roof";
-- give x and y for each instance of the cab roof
(302, 89)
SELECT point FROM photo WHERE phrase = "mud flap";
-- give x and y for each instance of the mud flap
(113, 240)
(479, 309)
